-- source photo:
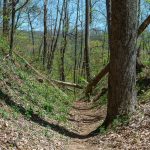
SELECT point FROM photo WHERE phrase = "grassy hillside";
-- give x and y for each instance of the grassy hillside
(25, 88)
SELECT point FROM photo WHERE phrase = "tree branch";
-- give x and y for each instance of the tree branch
(144, 25)
(51, 81)
(22, 5)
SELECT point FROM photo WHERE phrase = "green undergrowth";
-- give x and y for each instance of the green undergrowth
(4, 113)
(144, 97)
(22, 85)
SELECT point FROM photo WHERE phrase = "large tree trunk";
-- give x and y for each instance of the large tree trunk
(122, 71)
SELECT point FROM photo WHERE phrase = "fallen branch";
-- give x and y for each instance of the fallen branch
(51, 81)
(39, 74)
(31, 67)
(96, 79)
(144, 25)
(67, 84)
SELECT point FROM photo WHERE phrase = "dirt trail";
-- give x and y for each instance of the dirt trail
(84, 118)
(24, 134)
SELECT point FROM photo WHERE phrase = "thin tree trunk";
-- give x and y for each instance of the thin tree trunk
(45, 32)
(90, 11)
(51, 58)
(12, 26)
(53, 38)
(13, 13)
(63, 49)
(17, 20)
(6, 18)
(81, 59)
(32, 34)
(76, 40)
(81, 54)
(40, 48)
(87, 36)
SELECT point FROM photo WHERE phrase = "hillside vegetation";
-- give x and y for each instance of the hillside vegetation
(34, 112)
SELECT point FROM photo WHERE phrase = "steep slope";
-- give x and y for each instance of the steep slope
(36, 115)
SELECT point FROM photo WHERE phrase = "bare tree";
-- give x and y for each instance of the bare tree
(32, 33)
(87, 36)
(13, 13)
(6, 19)
(53, 37)
(76, 40)
(65, 42)
(55, 42)
(45, 32)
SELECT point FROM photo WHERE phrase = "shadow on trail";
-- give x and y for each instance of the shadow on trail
(37, 119)
(88, 121)
(83, 108)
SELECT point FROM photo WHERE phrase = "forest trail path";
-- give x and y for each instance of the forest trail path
(85, 118)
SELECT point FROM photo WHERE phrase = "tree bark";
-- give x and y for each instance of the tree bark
(76, 43)
(122, 71)
(13, 12)
(53, 38)
(64, 41)
(81, 59)
(32, 34)
(87, 36)
(54, 46)
(6, 18)
(45, 32)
